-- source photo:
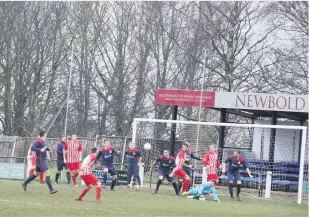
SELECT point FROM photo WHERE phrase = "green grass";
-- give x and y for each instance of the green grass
(37, 201)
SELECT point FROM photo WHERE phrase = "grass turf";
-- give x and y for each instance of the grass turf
(37, 201)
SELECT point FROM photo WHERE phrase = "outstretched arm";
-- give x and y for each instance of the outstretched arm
(247, 169)
(194, 157)
(173, 172)
(206, 159)
(47, 155)
(224, 164)
(249, 172)
(98, 156)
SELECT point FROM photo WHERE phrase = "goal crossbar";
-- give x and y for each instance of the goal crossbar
(220, 124)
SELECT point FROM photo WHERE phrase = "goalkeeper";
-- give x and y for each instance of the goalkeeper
(200, 191)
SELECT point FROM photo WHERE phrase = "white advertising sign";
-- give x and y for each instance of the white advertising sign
(260, 101)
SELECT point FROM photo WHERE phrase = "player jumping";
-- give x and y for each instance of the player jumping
(40, 148)
(235, 163)
(60, 161)
(199, 192)
(73, 150)
(107, 154)
(88, 177)
(179, 172)
(212, 163)
(134, 161)
(166, 163)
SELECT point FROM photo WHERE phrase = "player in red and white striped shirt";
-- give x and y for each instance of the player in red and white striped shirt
(88, 177)
(72, 156)
(179, 172)
(32, 157)
(212, 163)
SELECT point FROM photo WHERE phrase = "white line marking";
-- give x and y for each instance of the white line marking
(27, 203)
(76, 208)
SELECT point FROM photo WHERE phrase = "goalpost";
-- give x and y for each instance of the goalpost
(277, 155)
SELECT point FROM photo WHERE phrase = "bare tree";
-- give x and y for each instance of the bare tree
(124, 51)
(113, 68)
(289, 71)
(7, 21)
(32, 46)
(233, 30)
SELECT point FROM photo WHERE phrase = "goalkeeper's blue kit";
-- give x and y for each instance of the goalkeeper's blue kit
(204, 189)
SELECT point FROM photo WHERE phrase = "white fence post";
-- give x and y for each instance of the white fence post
(96, 140)
(301, 168)
(141, 173)
(204, 175)
(268, 184)
(13, 150)
(123, 152)
(29, 165)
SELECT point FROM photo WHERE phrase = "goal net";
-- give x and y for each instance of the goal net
(277, 155)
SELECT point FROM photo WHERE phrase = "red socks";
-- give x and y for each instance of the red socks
(74, 179)
(41, 177)
(186, 186)
(83, 193)
(98, 193)
(31, 172)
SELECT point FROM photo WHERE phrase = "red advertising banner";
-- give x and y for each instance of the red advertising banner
(185, 97)
(233, 100)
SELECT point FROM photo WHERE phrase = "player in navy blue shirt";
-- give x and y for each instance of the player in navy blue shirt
(40, 148)
(166, 162)
(60, 161)
(235, 163)
(134, 157)
(107, 158)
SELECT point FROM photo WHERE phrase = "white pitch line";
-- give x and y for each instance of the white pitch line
(27, 203)
(76, 208)
(126, 214)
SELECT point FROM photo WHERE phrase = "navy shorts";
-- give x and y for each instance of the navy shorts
(111, 169)
(188, 171)
(165, 173)
(61, 165)
(233, 176)
(41, 167)
(133, 170)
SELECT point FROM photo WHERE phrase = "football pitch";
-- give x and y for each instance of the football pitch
(37, 201)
